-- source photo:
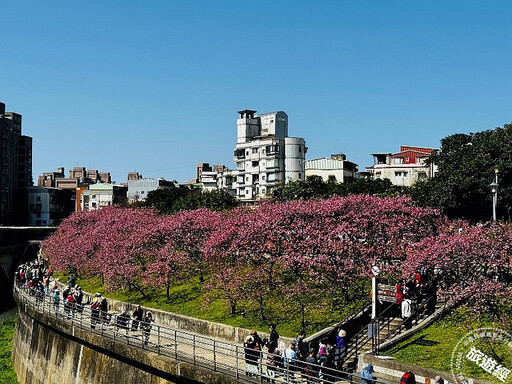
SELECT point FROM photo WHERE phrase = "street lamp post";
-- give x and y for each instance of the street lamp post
(494, 190)
(375, 272)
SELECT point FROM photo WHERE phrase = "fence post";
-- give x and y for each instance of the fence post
(237, 371)
(175, 344)
(158, 338)
(214, 357)
(194, 347)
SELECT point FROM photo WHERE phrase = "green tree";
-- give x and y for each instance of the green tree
(173, 200)
(216, 200)
(315, 188)
(466, 166)
(164, 200)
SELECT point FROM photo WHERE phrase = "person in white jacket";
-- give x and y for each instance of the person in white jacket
(407, 312)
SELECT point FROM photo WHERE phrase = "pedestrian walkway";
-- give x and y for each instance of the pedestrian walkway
(226, 358)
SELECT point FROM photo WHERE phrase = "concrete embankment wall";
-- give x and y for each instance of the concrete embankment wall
(49, 351)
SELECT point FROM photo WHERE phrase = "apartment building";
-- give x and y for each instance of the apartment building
(265, 155)
(15, 169)
(48, 206)
(334, 169)
(102, 195)
(403, 168)
(212, 177)
(138, 189)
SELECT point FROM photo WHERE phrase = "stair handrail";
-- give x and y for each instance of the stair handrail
(383, 320)
(413, 318)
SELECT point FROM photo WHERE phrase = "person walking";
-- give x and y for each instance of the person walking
(312, 368)
(407, 312)
(274, 336)
(366, 375)
(137, 318)
(290, 361)
(146, 326)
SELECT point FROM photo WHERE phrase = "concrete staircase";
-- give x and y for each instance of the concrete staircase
(390, 327)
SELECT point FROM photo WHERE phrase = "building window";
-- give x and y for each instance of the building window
(398, 160)
(401, 173)
(142, 192)
(255, 163)
(332, 178)
(300, 175)
(255, 150)
(300, 149)
(422, 175)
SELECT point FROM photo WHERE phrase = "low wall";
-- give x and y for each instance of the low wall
(48, 351)
(190, 324)
(389, 370)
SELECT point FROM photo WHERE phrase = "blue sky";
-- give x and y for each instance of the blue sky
(154, 86)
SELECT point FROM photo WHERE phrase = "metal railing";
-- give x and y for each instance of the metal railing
(423, 309)
(383, 323)
(228, 359)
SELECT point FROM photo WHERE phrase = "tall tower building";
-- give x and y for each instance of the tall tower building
(15, 169)
(264, 154)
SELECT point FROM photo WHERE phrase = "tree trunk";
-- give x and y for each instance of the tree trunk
(232, 305)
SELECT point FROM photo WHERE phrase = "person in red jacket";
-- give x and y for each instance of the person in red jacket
(399, 296)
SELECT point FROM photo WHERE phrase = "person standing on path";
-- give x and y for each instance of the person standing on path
(366, 375)
(146, 326)
(137, 317)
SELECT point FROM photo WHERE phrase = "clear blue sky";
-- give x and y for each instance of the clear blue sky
(154, 86)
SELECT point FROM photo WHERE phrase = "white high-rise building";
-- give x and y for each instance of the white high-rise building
(264, 154)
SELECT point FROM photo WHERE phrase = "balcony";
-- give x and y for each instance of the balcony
(239, 153)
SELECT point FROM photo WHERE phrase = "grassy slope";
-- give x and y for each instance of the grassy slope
(188, 299)
(7, 374)
(433, 346)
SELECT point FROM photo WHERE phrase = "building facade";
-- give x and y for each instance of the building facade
(15, 169)
(102, 195)
(265, 156)
(335, 169)
(403, 168)
(213, 177)
(49, 206)
(138, 189)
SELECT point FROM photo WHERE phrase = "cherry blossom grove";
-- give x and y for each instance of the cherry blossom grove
(298, 253)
